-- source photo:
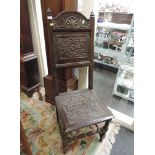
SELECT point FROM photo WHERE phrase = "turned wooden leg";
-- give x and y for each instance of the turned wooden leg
(65, 140)
(57, 115)
(65, 143)
(103, 130)
(65, 147)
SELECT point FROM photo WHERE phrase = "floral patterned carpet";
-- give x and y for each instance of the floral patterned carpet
(40, 126)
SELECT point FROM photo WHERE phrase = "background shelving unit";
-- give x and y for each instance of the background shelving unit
(111, 35)
(124, 83)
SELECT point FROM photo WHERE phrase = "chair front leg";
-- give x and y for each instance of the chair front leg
(57, 116)
(103, 130)
(65, 145)
(64, 138)
(65, 142)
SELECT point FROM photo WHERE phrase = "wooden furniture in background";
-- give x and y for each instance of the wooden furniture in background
(24, 141)
(29, 71)
(71, 44)
(67, 80)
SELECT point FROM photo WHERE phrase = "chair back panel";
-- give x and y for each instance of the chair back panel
(71, 40)
(70, 47)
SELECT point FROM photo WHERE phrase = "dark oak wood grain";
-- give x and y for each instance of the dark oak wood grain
(24, 141)
(26, 44)
(29, 70)
(81, 108)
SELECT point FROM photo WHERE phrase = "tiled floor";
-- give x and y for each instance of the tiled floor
(103, 85)
(124, 144)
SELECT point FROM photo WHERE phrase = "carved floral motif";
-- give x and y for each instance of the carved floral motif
(71, 47)
(74, 22)
(70, 21)
(80, 105)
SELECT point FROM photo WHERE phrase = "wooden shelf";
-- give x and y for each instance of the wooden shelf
(29, 70)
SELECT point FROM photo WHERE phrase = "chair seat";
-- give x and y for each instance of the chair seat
(80, 108)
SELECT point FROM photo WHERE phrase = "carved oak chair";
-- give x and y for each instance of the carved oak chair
(71, 44)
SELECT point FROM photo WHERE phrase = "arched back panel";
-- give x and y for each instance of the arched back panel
(70, 36)
(71, 41)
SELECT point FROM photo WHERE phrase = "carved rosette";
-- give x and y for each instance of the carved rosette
(71, 20)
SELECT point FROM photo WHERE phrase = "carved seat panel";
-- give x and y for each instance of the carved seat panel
(78, 109)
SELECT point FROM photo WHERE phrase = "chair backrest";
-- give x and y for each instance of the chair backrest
(71, 41)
